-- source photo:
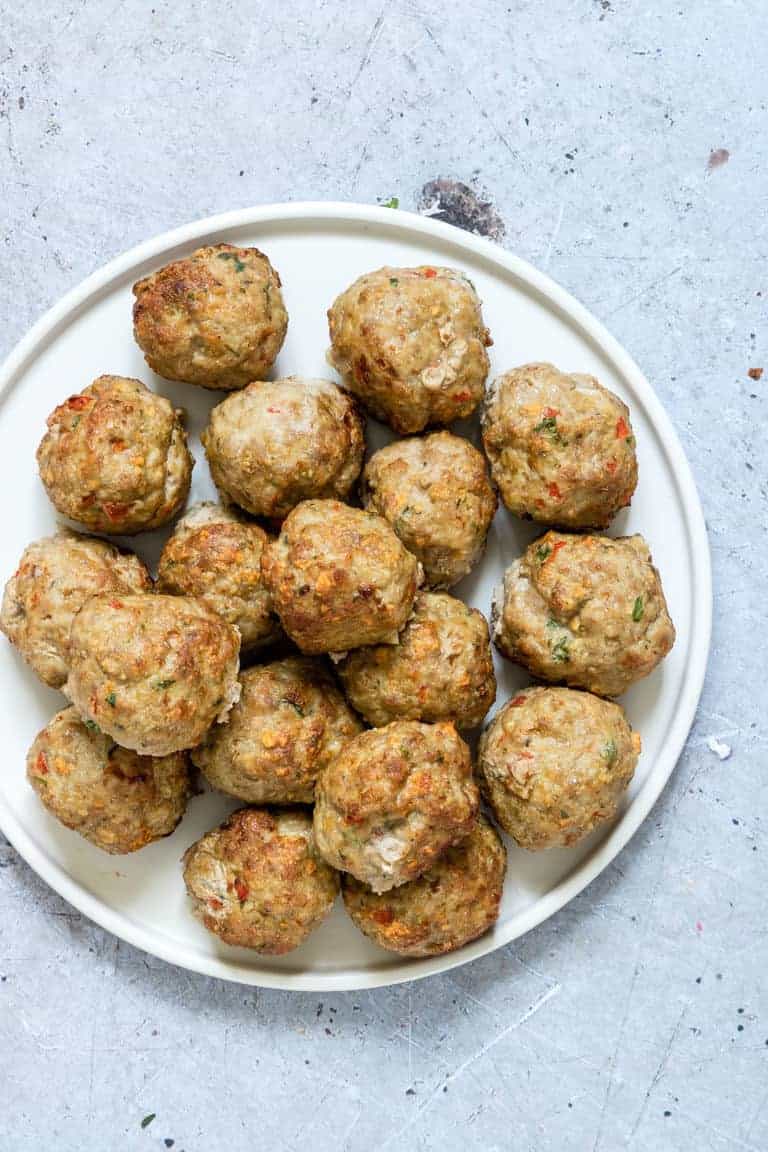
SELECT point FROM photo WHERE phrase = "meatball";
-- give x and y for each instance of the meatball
(561, 447)
(215, 554)
(588, 611)
(339, 577)
(410, 343)
(442, 668)
(55, 576)
(154, 672)
(554, 764)
(115, 458)
(434, 491)
(258, 882)
(289, 724)
(279, 442)
(455, 901)
(118, 800)
(393, 800)
(214, 318)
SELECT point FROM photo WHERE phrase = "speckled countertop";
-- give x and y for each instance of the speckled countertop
(622, 147)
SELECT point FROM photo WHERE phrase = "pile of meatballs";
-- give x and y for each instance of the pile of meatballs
(299, 645)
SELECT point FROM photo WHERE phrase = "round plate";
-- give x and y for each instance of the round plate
(319, 249)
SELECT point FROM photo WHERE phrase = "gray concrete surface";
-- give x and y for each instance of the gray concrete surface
(622, 146)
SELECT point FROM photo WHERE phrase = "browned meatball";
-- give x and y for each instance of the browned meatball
(410, 344)
(339, 578)
(118, 800)
(215, 554)
(279, 442)
(455, 901)
(115, 458)
(154, 672)
(289, 724)
(393, 800)
(442, 668)
(588, 611)
(554, 765)
(258, 882)
(54, 578)
(434, 491)
(561, 446)
(214, 318)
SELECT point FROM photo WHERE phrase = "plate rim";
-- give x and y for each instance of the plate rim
(120, 924)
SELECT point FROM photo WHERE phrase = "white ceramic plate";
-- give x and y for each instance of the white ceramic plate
(318, 249)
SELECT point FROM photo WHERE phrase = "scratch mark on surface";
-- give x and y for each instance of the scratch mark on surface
(644, 291)
(473, 999)
(370, 44)
(410, 1037)
(554, 236)
(660, 1070)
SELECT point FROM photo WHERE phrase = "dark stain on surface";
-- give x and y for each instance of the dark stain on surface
(457, 203)
(718, 157)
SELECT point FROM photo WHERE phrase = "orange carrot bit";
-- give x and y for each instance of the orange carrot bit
(77, 403)
(622, 428)
(241, 889)
(430, 273)
(516, 701)
(41, 764)
(550, 413)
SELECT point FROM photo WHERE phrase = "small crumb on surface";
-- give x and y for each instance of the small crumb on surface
(718, 157)
(755, 373)
(719, 747)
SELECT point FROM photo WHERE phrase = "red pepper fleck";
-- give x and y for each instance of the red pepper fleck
(273, 410)
(114, 511)
(557, 546)
(516, 701)
(525, 755)
(611, 466)
(462, 396)
(77, 403)
(430, 273)
(383, 916)
(116, 604)
(622, 428)
(554, 491)
(550, 413)
(41, 764)
(241, 889)
(214, 903)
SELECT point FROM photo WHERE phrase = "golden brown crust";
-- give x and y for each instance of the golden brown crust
(215, 318)
(560, 446)
(215, 554)
(442, 668)
(258, 882)
(339, 578)
(55, 576)
(393, 800)
(410, 343)
(289, 724)
(449, 905)
(154, 672)
(115, 458)
(118, 800)
(434, 491)
(554, 765)
(588, 611)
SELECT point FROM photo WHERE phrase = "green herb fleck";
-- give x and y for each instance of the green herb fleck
(75, 421)
(394, 280)
(542, 552)
(630, 441)
(638, 610)
(148, 1119)
(610, 751)
(552, 623)
(560, 652)
(400, 520)
(548, 425)
(161, 684)
(92, 726)
(111, 699)
(239, 265)
(393, 202)
(292, 704)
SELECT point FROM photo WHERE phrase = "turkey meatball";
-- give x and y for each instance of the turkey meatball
(289, 724)
(452, 903)
(410, 343)
(258, 882)
(115, 458)
(340, 578)
(442, 669)
(393, 800)
(279, 442)
(554, 765)
(560, 446)
(154, 672)
(215, 554)
(115, 798)
(214, 318)
(54, 578)
(588, 611)
(435, 492)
